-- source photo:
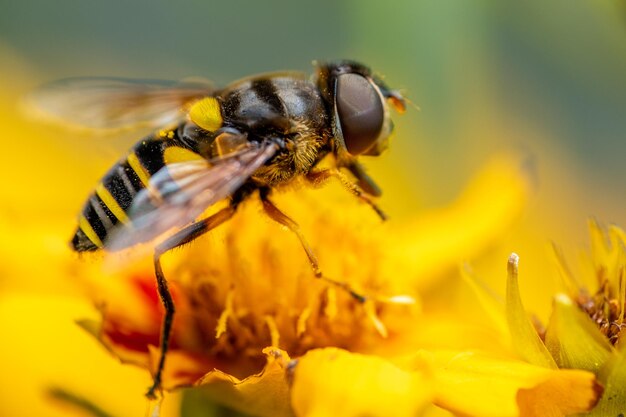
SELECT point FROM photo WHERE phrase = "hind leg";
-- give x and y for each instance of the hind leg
(184, 236)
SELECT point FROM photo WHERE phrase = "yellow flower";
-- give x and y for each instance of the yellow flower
(255, 331)
(586, 328)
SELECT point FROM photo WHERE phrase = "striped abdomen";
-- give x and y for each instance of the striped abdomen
(112, 198)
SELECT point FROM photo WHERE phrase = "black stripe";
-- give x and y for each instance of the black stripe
(106, 215)
(132, 177)
(150, 154)
(81, 243)
(94, 220)
(266, 91)
(150, 151)
(231, 103)
(120, 187)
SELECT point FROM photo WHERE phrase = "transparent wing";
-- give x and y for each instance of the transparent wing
(180, 192)
(114, 103)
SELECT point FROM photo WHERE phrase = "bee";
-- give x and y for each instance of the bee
(216, 144)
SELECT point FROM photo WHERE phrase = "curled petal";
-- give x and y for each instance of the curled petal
(181, 369)
(335, 382)
(264, 394)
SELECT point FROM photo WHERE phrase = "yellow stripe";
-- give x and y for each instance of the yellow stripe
(175, 154)
(141, 172)
(111, 203)
(207, 114)
(84, 225)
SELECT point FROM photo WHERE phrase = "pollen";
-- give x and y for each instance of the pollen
(239, 307)
(169, 134)
(606, 306)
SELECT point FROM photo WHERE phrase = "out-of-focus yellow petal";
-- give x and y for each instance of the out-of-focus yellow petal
(45, 349)
(264, 394)
(473, 384)
(602, 252)
(333, 382)
(494, 309)
(438, 241)
(442, 331)
(34, 245)
(573, 339)
(525, 338)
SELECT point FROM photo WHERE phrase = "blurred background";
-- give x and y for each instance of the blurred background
(545, 79)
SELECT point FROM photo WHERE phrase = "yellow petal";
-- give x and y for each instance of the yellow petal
(334, 382)
(525, 338)
(263, 394)
(613, 402)
(608, 250)
(494, 309)
(569, 281)
(564, 392)
(441, 331)
(473, 384)
(439, 241)
(573, 339)
(42, 348)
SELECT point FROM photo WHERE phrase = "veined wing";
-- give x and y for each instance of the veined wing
(180, 192)
(114, 103)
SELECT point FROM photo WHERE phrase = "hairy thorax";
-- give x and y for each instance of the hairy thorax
(298, 156)
(285, 108)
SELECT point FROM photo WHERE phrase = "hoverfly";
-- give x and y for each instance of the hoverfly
(229, 143)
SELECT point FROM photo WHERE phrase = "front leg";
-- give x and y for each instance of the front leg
(364, 181)
(281, 218)
(359, 193)
(318, 177)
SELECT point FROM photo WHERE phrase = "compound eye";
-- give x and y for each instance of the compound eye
(360, 110)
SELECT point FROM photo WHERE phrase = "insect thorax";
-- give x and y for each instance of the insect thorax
(285, 108)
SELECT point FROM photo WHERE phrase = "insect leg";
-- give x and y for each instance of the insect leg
(278, 216)
(359, 193)
(182, 237)
(318, 177)
(363, 180)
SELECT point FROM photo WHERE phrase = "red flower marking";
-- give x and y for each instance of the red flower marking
(131, 339)
(145, 286)
(128, 335)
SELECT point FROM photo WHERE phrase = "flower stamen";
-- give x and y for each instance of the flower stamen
(223, 319)
(301, 323)
(274, 334)
(370, 311)
(607, 306)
